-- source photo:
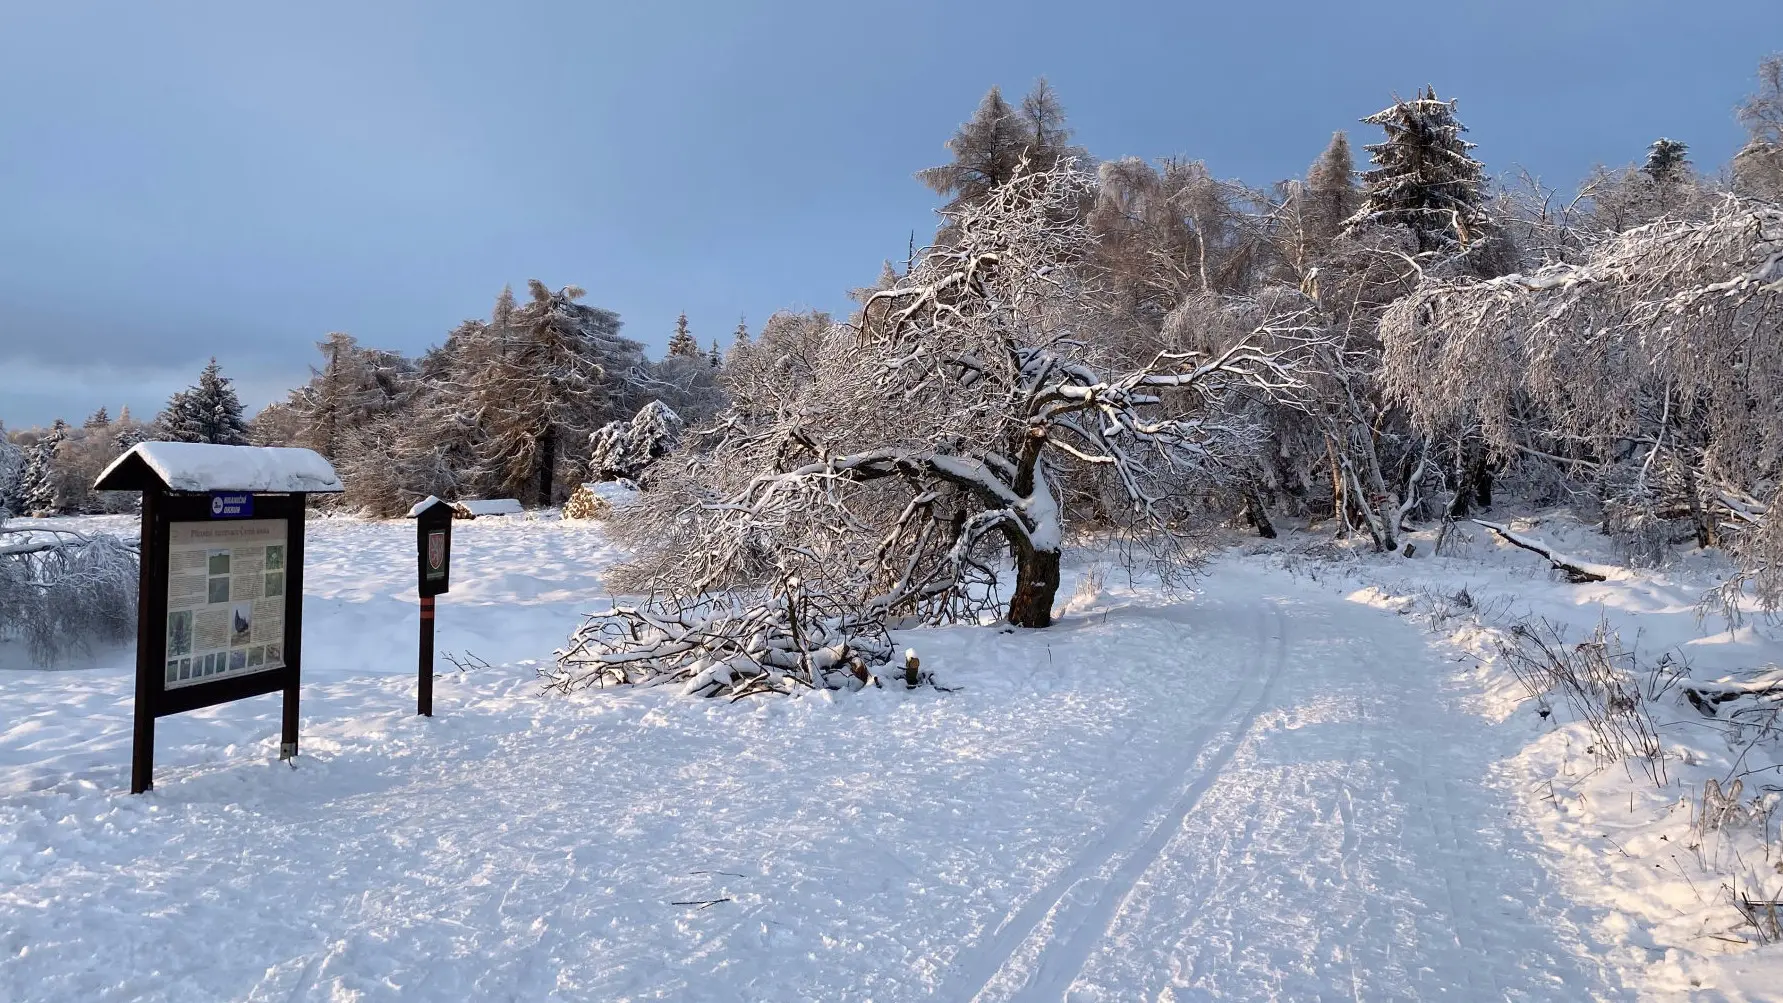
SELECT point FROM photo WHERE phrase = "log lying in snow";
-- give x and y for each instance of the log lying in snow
(1578, 572)
(1704, 694)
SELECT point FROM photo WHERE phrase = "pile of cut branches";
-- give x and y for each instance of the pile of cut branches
(734, 644)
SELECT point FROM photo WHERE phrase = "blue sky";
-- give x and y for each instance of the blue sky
(182, 179)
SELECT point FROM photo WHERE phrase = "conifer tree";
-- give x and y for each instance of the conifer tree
(549, 389)
(130, 431)
(1424, 176)
(98, 419)
(715, 355)
(36, 489)
(1667, 160)
(1330, 192)
(988, 148)
(12, 466)
(682, 343)
(740, 343)
(206, 412)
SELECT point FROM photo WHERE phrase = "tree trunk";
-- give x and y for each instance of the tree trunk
(1482, 482)
(1036, 585)
(547, 464)
(1257, 513)
(1473, 479)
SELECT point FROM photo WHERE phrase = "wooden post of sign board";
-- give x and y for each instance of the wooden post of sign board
(293, 627)
(433, 566)
(424, 698)
(151, 581)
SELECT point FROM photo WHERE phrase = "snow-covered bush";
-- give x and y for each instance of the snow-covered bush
(62, 591)
(621, 450)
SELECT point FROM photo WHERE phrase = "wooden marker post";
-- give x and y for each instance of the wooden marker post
(433, 543)
(424, 692)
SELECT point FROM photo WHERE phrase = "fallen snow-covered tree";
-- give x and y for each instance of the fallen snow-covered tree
(1652, 369)
(62, 590)
(910, 457)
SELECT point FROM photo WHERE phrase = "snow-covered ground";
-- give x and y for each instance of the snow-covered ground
(1625, 835)
(1277, 787)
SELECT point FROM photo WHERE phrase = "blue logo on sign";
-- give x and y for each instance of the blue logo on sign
(226, 506)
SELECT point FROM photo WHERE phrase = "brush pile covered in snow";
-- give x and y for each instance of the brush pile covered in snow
(737, 645)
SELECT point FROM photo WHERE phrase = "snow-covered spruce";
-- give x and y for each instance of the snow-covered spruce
(208, 411)
(621, 450)
(896, 465)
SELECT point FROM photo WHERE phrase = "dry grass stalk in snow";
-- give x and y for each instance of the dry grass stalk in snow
(1598, 681)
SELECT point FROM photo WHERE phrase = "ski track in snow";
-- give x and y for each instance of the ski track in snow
(1259, 792)
(1051, 937)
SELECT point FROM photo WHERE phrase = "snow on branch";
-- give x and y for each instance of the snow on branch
(1578, 572)
(1654, 365)
(730, 645)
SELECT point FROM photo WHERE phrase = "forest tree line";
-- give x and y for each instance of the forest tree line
(1142, 351)
(505, 407)
(1136, 350)
(1166, 259)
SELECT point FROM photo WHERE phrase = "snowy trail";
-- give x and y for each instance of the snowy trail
(1046, 943)
(1263, 791)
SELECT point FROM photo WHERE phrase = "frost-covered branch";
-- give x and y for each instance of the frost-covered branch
(1655, 362)
(62, 590)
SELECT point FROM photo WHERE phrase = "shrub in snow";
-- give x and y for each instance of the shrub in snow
(585, 504)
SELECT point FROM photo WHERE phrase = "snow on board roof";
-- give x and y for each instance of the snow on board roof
(203, 466)
(489, 506)
(427, 503)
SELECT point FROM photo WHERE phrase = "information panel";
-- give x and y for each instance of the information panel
(225, 599)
